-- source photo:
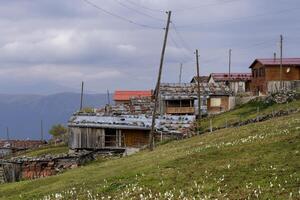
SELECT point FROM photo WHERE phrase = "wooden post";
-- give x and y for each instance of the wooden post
(180, 73)
(229, 65)
(281, 83)
(152, 132)
(81, 95)
(7, 133)
(108, 98)
(210, 123)
(42, 131)
(198, 91)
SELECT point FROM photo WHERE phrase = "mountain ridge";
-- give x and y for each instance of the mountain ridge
(22, 113)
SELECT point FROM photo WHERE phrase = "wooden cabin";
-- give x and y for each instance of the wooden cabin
(107, 132)
(182, 99)
(266, 75)
(237, 82)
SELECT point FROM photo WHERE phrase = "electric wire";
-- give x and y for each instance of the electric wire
(205, 5)
(120, 17)
(138, 11)
(240, 18)
(187, 46)
(144, 7)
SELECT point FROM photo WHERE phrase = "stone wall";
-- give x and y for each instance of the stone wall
(17, 169)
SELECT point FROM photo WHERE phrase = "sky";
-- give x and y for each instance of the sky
(50, 46)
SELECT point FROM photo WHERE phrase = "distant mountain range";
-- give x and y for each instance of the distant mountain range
(22, 114)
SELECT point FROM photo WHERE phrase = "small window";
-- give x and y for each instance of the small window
(215, 102)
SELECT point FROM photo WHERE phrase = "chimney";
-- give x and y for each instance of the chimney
(274, 57)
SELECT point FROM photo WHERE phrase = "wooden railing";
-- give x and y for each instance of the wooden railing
(180, 110)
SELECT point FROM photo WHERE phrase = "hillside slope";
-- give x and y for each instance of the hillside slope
(258, 160)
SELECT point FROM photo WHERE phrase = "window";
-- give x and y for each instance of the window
(215, 102)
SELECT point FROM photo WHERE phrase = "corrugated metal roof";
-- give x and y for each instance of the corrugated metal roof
(233, 76)
(122, 95)
(272, 61)
(189, 90)
(166, 123)
(203, 79)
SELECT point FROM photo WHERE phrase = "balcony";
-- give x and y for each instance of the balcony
(180, 110)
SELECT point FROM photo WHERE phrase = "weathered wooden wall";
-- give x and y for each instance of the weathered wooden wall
(272, 74)
(135, 138)
(222, 108)
(100, 138)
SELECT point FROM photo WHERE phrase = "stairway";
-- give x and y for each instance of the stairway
(2, 179)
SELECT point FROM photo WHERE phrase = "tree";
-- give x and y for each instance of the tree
(58, 131)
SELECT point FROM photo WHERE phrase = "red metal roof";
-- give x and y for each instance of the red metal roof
(233, 76)
(272, 61)
(127, 95)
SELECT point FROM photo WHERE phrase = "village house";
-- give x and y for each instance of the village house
(182, 99)
(266, 75)
(203, 79)
(124, 96)
(123, 126)
(122, 132)
(237, 82)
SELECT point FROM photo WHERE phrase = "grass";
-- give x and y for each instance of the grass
(257, 161)
(245, 112)
(46, 150)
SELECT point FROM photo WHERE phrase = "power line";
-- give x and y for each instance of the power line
(119, 16)
(144, 7)
(138, 11)
(187, 56)
(240, 18)
(205, 5)
(180, 37)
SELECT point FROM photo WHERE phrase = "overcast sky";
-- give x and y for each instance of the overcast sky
(49, 46)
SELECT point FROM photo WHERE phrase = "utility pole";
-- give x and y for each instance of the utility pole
(108, 98)
(42, 131)
(281, 41)
(81, 95)
(229, 64)
(198, 84)
(180, 73)
(7, 133)
(152, 132)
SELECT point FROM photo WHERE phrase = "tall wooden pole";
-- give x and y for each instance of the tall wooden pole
(108, 98)
(281, 40)
(229, 64)
(81, 95)
(7, 133)
(42, 131)
(180, 73)
(152, 132)
(198, 84)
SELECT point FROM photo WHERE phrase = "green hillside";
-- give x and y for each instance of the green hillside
(257, 161)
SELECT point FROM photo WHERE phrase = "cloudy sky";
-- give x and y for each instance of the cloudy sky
(49, 46)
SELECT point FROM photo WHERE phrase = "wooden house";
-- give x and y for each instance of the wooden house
(99, 132)
(182, 99)
(202, 79)
(237, 82)
(266, 75)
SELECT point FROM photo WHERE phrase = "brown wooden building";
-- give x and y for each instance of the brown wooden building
(237, 82)
(266, 75)
(108, 132)
(182, 99)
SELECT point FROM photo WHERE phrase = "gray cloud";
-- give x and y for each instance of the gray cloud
(63, 42)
